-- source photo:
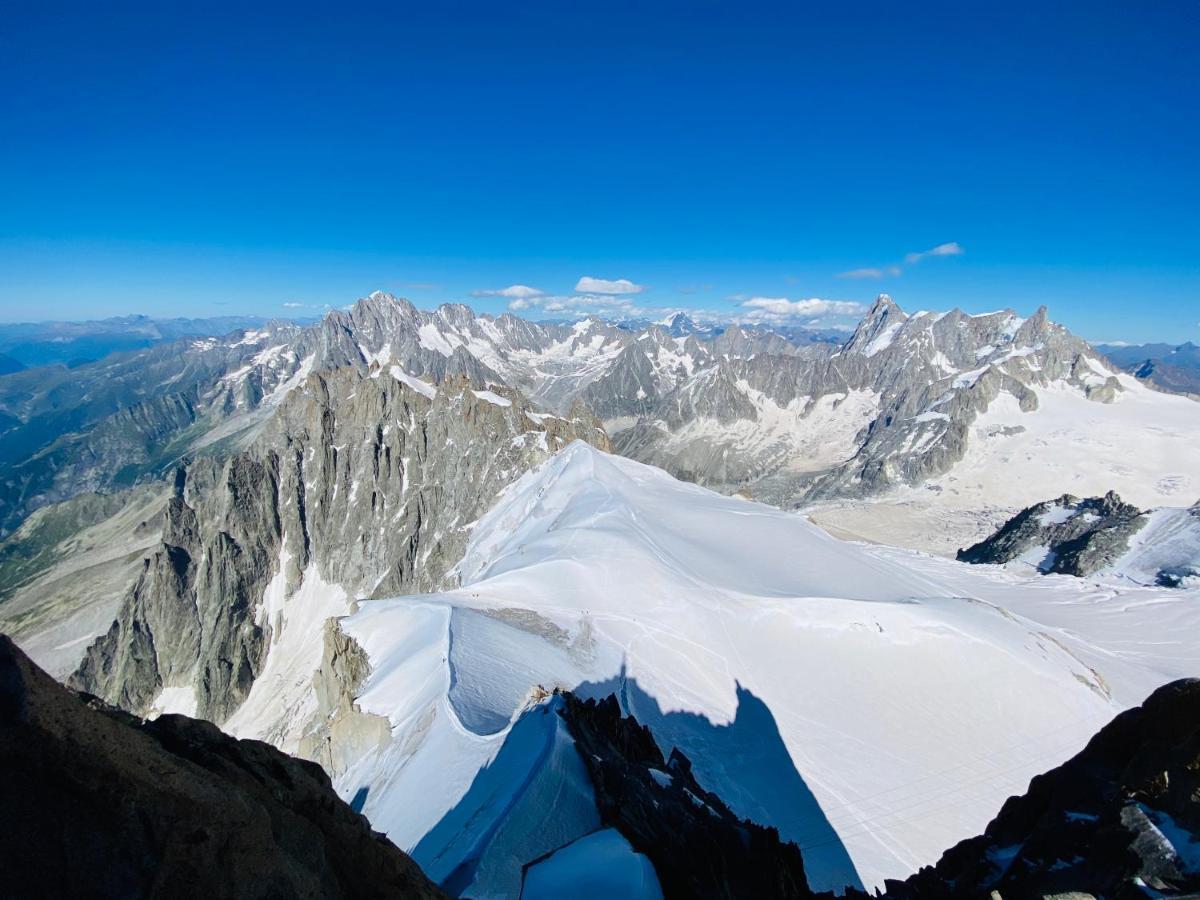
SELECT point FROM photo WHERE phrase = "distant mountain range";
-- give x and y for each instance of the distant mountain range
(30, 344)
(900, 402)
(1174, 368)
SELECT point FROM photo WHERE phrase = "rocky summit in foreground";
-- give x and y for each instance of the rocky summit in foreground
(698, 847)
(1119, 820)
(97, 803)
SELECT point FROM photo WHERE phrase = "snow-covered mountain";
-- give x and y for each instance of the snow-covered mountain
(923, 402)
(379, 542)
(131, 417)
(873, 704)
(894, 406)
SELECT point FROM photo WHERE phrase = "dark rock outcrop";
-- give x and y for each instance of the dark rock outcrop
(699, 848)
(1079, 537)
(1122, 814)
(97, 803)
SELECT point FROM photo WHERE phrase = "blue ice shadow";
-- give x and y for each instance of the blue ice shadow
(747, 765)
(744, 762)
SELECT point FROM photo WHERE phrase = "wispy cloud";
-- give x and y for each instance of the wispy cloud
(512, 292)
(616, 303)
(594, 303)
(589, 285)
(953, 248)
(295, 304)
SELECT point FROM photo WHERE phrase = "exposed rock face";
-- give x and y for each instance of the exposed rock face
(105, 425)
(699, 848)
(1121, 816)
(1099, 536)
(132, 416)
(99, 804)
(68, 565)
(365, 481)
(734, 408)
(893, 405)
(340, 732)
(1069, 535)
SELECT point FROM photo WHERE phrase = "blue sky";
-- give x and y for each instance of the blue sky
(201, 159)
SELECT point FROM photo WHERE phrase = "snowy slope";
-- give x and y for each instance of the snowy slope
(911, 694)
(1145, 445)
(1169, 543)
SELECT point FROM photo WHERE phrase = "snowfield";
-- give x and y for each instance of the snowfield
(1145, 445)
(876, 705)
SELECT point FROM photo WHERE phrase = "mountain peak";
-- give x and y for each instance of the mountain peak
(877, 328)
(378, 301)
(883, 305)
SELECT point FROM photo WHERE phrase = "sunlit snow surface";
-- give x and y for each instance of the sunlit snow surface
(911, 694)
(1145, 445)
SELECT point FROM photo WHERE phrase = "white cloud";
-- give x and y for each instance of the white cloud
(578, 304)
(782, 308)
(290, 305)
(604, 305)
(589, 285)
(953, 248)
(513, 292)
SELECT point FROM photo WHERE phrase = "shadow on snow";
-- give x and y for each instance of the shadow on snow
(744, 762)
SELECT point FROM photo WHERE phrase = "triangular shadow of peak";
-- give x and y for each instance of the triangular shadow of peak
(746, 763)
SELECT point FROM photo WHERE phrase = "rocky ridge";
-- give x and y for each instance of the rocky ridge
(361, 485)
(100, 804)
(1071, 536)
(133, 416)
(1120, 820)
(733, 408)
(1098, 536)
(699, 848)
(893, 405)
